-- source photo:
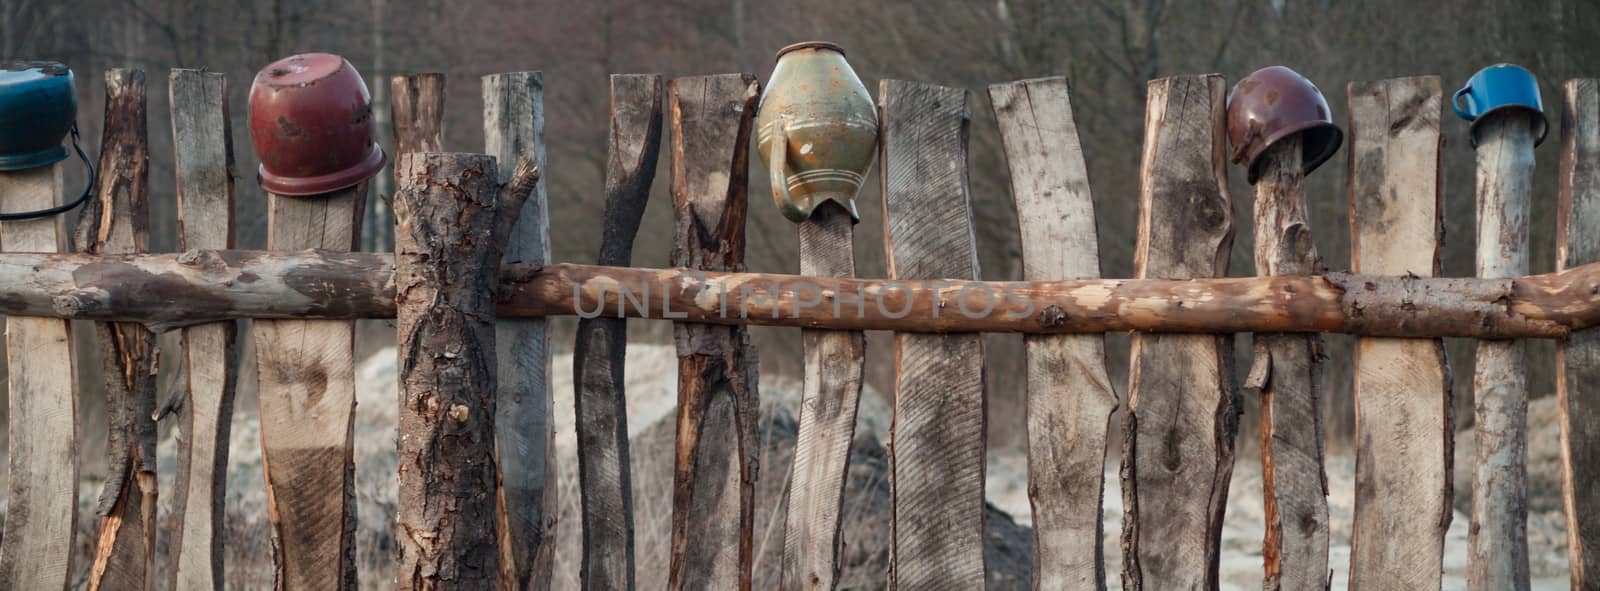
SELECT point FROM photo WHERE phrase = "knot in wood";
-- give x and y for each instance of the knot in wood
(189, 257)
(459, 413)
(1052, 317)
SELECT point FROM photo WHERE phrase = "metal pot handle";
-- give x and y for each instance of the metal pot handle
(1455, 102)
(65, 207)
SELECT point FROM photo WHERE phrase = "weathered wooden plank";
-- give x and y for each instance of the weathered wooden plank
(1183, 403)
(606, 488)
(451, 217)
(1498, 545)
(418, 113)
(1402, 386)
(714, 475)
(936, 518)
(117, 221)
(1070, 398)
(1284, 372)
(42, 495)
(306, 384)
(830, 397)
(513, 128)
(1578, 359)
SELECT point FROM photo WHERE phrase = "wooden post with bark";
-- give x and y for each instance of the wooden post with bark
(1183, 403)
(306, 385)
(117, 221)
(714, 472)
(513, 130)
(936, 461)
(1070, 398)
(1285, 372)
(1498, 546)
(452, 217)
(1578, 358)
(606, 488)
(1402, 386)
(42, 492)
(417, 109)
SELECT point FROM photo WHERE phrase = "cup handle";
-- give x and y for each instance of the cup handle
(1455, 101)
(777, 158)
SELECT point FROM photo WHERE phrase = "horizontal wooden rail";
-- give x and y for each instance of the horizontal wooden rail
(167, 291)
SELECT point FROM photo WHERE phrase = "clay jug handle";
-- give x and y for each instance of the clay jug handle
(777, 158)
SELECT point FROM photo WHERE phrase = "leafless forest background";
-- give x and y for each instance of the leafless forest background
(1108, 48)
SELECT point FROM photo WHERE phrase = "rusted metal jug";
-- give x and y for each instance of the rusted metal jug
(311, 123)
(38, 109)
(817, 130)
(1274, 103)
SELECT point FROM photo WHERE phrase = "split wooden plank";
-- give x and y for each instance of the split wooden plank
(713, 496)
(203, 157)
(1285, 373)
(1183, 403)
(1070, 398)
(1578, 359)
(117, 221)
(1498, 545)
(513, 129)
(452, 215)
(606, 487)
(1404, 429)
(306, 384)
(42, 495)
(830, 397)
(936, 464)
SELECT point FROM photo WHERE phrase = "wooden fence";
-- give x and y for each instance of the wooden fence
(476, 502)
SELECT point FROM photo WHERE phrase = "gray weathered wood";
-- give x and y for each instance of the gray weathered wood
(1284, 372)
(713, 500)
(117, 221)
(1578, 359)
(513, 128)
(606, 489)
(451, 217)
(1183, 404)
(1070, 398)
(1402, 386)
(830, 396)
(936, 518)
(42, 494)
(306, 384)
(1498, 546)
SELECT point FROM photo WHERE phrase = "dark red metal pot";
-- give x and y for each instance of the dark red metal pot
(1274, 103)
(311, 123)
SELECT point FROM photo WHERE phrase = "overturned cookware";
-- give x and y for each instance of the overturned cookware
(311, 123)
(1501, 88)
(817, 130)
(1274, 103)
(39, 109)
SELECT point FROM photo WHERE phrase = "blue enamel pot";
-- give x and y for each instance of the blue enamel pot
(38, 109)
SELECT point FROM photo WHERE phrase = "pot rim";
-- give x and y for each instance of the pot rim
(316, 185)
(809, 45)
(37, 159)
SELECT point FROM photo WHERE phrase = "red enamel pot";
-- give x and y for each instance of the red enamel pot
(311, 123)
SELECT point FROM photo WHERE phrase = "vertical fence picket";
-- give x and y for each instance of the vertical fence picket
(417, 113)
(937, 443)
(306, 385)
(513, 128)
(1284, 373)
(117, 221)
(42, 495)
(1498, 546)
(606, 488)
(714, 475)
(1578, 359)
(203, 156)
(1183, 404)
(1070, 398)
(451, 218)
(1402, 386)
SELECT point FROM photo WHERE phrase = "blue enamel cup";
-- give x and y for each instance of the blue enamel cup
(1498, 87)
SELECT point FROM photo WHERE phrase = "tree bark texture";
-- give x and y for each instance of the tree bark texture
(1183, 403)
(451, 215)
(513, 129)
(117, 220)
(606, 489)
(1070, 398)
(1402, 386)
(1578, 358)
(937, 442)
(713, 497)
